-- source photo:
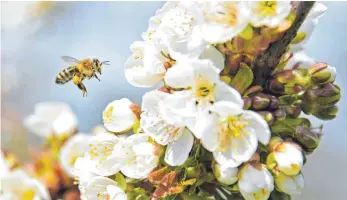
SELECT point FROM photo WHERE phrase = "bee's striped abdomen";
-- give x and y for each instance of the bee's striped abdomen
(65, 76)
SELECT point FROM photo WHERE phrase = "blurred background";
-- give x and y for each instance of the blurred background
(32, 43)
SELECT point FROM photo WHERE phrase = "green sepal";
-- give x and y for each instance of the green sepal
(247, 33)
(121, 182)
(243, 78)
(320, 78)
(136, 126)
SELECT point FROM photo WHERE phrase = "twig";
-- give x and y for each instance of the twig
(265, 63)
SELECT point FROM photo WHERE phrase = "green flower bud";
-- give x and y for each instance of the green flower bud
(193, 172)
(308, 138)
(328, 113)
(273, 102)
(247, 103)
(260, 101)
(269, 118)
(279, 114)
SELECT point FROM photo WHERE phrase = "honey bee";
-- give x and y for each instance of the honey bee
(79, 70)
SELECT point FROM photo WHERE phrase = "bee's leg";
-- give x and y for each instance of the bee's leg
(83, 88)
(96, 77)
(77, 79)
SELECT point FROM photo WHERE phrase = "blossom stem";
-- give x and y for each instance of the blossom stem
(265, 63)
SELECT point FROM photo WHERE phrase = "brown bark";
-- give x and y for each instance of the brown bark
(265, 63)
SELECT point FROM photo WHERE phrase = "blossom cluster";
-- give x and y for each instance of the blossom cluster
(208, 127)
(208, 130)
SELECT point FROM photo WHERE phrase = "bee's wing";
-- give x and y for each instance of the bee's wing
(69, 59)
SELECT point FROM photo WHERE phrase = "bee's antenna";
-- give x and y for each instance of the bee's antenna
(105, 63)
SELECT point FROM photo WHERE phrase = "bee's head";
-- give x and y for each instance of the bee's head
(98, 64)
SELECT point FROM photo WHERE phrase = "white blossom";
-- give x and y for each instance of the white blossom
(203, 87)
(176, 25)
(178, 139)
(224, 174)
(82, 172)
(51, 117)
(73, 148)
(269, 13)
(291, 185)
(255, 182)
(223, 20)
(232, 134)
(287, 157)
(135, 155)
(118, 116)
(104, 189)
(17, 185)
(100, 150)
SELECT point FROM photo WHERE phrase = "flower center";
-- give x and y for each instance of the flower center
(228, 16)
(267, 8)
(100, 150)
(28, 194)
(231, 128)
(204, 89)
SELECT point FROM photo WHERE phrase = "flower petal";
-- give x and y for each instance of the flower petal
(210, 52)
(224, 92)
(209, 132)
(180, 76)
(225, 158)
(259, 125)
(178, 151)
(226, 108)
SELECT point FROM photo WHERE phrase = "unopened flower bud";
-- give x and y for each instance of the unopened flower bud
(285, 76)
(286, 157)
(273, 142)
(326, 95)
(269, 118)
(260, 101)
(120, 115)
(224, 174)
(291, 185)
(316, 68)
(273, 102)
(308, 138)
(247, 103)
(193, 172)
(326, 113)
(255, 181)
(276, 87)
(293, 111)
(280, 114)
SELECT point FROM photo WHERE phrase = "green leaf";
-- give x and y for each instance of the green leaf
(243, 78)
(137, 194)
(186, 196)
(121, 181)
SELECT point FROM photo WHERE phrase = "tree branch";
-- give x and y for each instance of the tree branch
(265, 63)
